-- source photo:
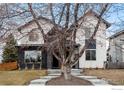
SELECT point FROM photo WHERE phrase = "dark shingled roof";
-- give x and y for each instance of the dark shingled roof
(26, 24)
(48, 20)
(116, 34)
(97, 15)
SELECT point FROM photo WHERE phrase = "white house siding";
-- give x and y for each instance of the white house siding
(23, 37)
(100, 43)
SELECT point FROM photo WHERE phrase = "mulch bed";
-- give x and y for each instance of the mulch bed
(74, 81)
(8, 66)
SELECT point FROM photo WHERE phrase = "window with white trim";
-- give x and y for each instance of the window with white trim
(32, 56)
(90, 54)
(90, 51)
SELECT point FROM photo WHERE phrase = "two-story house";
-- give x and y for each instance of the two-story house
(33, 55)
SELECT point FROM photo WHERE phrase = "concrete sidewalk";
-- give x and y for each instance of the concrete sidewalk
(75, 72)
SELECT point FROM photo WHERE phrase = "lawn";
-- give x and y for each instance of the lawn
(114, 76)
(19, 77)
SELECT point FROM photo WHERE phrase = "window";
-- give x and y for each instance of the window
(90, 54)
(91, 49)
(33, 36)
(33, 56)
(91, 44)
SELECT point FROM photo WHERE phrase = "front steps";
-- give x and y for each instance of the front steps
(58, 71)
(54, 73)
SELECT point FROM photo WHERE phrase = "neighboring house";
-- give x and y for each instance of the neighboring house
(30, 41)
(1, 48)
(116, 47)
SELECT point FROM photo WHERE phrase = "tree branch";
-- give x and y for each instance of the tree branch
(67, 15)
(63, 9)
(36, 21)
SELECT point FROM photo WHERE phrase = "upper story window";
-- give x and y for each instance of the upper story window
(33, 36)
(91, 49)
(91, 43)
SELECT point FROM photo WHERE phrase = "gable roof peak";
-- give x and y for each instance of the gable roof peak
(91, 12)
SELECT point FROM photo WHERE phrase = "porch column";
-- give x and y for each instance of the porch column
(20, 57)
(49, 60)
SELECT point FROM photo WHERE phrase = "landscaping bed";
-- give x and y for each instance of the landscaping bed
(74, 81)
(8, 66)
(113, 76)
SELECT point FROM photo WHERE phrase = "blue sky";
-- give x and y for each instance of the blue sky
(115, 16)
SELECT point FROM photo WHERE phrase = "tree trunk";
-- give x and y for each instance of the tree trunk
(66, 71)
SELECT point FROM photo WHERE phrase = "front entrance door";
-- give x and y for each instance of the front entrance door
(55, 63)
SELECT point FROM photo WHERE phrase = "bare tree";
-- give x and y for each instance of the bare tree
(63, 43)
(66, 19)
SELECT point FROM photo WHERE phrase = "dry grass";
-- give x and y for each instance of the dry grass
(114, 76)
(19, 77)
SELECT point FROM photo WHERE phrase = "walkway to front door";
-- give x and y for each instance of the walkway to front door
(53, 73)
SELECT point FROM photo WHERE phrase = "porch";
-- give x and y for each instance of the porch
(36, 57)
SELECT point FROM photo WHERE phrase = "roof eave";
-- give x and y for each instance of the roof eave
(116, 34)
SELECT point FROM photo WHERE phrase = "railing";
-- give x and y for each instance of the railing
(30, 65)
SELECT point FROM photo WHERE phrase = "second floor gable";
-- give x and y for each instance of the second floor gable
(30, 34)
